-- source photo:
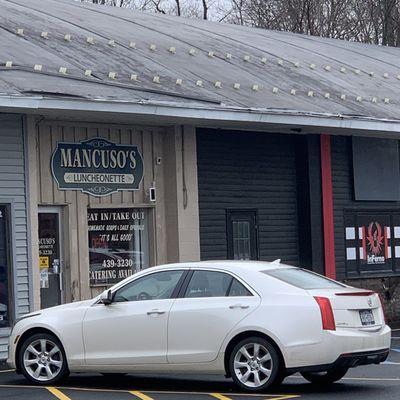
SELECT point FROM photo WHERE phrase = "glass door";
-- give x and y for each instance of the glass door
(50, 257)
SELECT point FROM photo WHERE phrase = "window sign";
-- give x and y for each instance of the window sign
(118, 244)
(4, 269)
(369, 243)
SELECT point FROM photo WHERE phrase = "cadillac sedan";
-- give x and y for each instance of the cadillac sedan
(255, 322)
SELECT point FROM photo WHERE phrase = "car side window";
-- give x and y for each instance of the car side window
(208, 284)
(157, 286)
(237, 289)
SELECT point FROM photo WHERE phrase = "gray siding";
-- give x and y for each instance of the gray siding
(248, 171)
(12, 191)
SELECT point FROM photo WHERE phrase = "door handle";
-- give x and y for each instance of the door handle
(241, 306)
(155, 312)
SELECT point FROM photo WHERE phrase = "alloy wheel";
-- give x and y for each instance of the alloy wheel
(43, 360)
(253, 365)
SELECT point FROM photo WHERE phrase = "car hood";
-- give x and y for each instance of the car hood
(76, 304)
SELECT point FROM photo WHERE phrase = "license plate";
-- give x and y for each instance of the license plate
(367, 317)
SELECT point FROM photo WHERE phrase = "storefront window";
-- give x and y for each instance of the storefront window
(4, 269)
(118, 244)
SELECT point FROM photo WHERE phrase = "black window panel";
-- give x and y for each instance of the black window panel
(376, 169)
(5, 269)
(208, 284)
(237, 289)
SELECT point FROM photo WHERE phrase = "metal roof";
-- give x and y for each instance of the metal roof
(65, 49)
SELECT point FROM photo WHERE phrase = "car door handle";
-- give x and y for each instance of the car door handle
(155, 312)
(238, 306)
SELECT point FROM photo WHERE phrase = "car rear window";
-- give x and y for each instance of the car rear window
(302, 278)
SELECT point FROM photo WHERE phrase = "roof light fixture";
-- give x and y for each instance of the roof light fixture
(256, 88)
(44, 35)
(88, 72)
(246, 57)
(134, 77)
(371, 74)
(218, 84)
(62, 70)
(179, 81)
(20, 32)
(228, 56)
(280, 61)
(398, 77)
(236, 85)
(211, 54)
(8, 64)
(310, 93)
(357, 71)
(37, 67)
(263, 60)
(111, 42)
(343, 70)
(192, 51)
(156, 79)
(293, 92)
(386, 75)
(172, 50)
(359, 99)
(297, 64)
(67, 37)
(90, 40)
(152, 47)
(327, 95)
(313, 66)
(132, 45)
(275, 90)
(199, 83)
(328, 68)
(112, 75)
(387, 100)
(374, 99)
(343, 97)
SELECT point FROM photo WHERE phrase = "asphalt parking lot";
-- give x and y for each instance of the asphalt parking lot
(370, 382)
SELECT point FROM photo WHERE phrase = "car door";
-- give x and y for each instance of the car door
(210, 306)
(133, 328)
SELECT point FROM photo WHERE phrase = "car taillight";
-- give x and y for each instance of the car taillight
(383, 308)
(328, 320)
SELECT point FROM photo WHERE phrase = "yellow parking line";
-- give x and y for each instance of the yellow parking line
(284, 397)
(140, 395)
(60, 395)
(219, 396)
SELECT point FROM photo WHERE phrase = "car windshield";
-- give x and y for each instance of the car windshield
(303, 279)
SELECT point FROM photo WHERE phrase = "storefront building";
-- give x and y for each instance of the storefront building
(129, 147)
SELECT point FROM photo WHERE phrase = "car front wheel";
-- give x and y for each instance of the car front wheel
(326, 377)
(42, 359)
(254, 364)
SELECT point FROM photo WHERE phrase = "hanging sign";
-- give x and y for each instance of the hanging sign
(97, 166)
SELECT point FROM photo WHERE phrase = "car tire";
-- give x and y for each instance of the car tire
(255, 365)
(326, 377)
(42, 359)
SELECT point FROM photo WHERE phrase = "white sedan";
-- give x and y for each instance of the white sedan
(256, 322)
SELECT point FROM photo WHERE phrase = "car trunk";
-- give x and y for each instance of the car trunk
(353, 308)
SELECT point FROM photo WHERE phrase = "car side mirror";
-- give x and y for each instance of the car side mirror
(106, 297)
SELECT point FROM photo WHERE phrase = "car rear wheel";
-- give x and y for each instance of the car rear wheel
(254, 364)
(326, 377)
(42, 359)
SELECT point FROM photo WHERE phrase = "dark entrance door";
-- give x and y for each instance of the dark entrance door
(50, 258)
(242, 235)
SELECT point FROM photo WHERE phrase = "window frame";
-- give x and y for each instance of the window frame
(174, 292)
(11, 278)
(185, 284)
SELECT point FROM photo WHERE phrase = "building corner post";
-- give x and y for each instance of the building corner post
(327, 207)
